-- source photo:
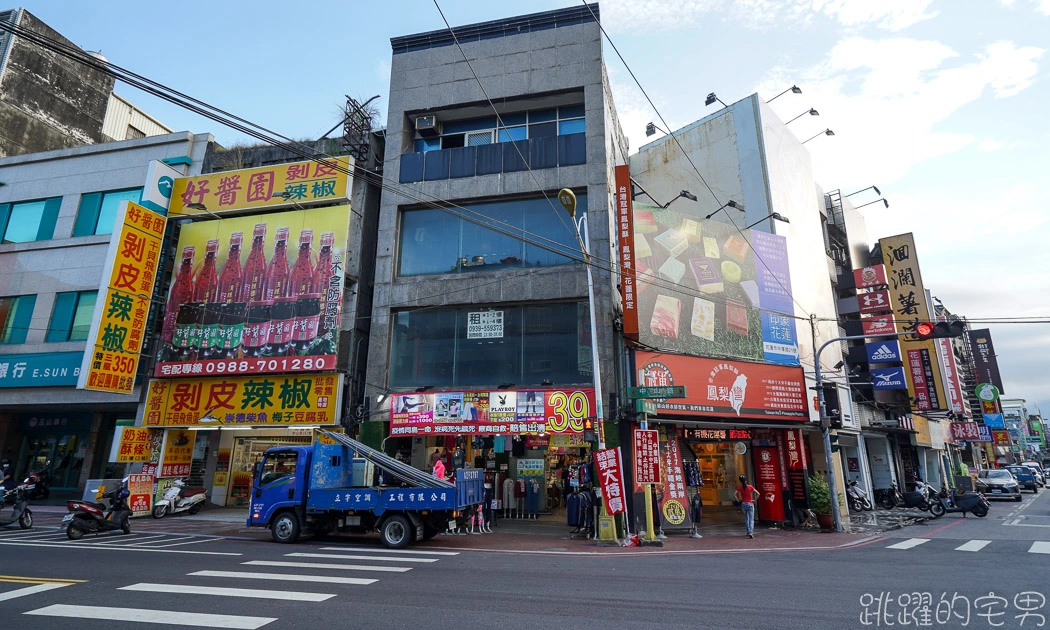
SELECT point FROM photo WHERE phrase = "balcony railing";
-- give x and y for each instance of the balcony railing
(490, 159)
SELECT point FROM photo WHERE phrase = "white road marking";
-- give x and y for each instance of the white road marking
(376, 550)
(314, 565)
(908, 544)
(169, 617)
(32, 534)
(1039, 547)
(184, 589)
(188, 542)
(31, 590)
(369, 558)
(973, 545)
(117, 548)
(287, 577)
(134, 540)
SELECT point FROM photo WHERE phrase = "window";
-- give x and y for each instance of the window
(71, 316)
(277, 466)
(16, 313)
(98, 211)
(535, 343)
(539, 123)
(29, 220)
(134, 133)
(434, 242)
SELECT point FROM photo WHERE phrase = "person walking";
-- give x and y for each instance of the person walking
(746, 495)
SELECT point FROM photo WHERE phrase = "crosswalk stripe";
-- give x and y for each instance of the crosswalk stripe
(314, 565)
(908, 544)
(29, 590)
(375, 550)
(286, 577)
(1039, 547)
(185, 589)
(169, 617)
(973, 545)
(369, 558)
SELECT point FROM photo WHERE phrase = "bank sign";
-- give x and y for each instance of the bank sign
(49, 369)
(889, 378)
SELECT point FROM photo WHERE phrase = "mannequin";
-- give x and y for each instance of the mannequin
(508, 496)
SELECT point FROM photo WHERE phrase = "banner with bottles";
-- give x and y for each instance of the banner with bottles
(256, 294)
(503, 412)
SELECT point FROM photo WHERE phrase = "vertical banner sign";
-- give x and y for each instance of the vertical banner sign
(119, 322)
(140, 491)
(177, 452)
(908, 299)
(222, 468)
(646, 456)
(625, 221)
(797, 465)
(986, 367)
(609, 468)
(770, 504)
(672, 498)
(160, 179)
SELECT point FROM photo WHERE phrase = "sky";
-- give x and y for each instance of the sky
(940, 103)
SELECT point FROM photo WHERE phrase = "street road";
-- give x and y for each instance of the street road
(940, 575)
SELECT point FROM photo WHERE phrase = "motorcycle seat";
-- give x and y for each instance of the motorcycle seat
(193, 492)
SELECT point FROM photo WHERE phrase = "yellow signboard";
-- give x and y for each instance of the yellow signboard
(119, 321)
(136, 444)
(908, 300)
(177, 457)
(299, 182)
(292, 399)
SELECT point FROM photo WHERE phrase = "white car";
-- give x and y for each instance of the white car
(1037, 470)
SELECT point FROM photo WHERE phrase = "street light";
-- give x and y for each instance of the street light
(772, 215)
(811, 112)
(728, 204)
(826, 132)
(711, 98)
(793, 89)
(884, 202)
(567, 198)
(875, 188)
(652, 128)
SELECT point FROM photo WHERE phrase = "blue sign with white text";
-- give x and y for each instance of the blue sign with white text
(779, 344)
(994, 420)
(48, 369)
(888, 378)
(888, 351)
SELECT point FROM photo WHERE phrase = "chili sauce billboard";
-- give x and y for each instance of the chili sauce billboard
(256, 294)
(706, 288)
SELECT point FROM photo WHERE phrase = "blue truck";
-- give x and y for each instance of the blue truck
(329, 488)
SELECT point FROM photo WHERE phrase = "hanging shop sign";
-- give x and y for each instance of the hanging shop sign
(922, 431)
(877, 325)
(530, 468)
(118, 325)
(716, 435)
(965, 431)
(160, 181)
(256, 188)
(952, 380)
(471, 412)
(485, 325)
(921, 371)
(140, 494)
(269, 303)
(888, 378)
(797, 466)
(719, 388)
(986, 366)
(871, 276)
(885, 351)
(628, 256)
(1001, 438)
(744, 307)
(873, 302)
(770, 503)
(47, 369)
(136, 444)
(177, 452)
(672, 498)
(296, 399)
(608, 466)
(646, 456)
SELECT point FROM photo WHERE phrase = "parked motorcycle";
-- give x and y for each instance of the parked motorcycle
(85, 517)
(858, 501)
(922, 497)
(38, 484)
(179, 499)
(14, 507)
(973, 502)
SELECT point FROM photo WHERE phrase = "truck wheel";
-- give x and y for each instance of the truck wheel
(286, 528)
(429, 531)
(396, 532)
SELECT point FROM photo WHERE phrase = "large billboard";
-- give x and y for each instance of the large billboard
(986, 367)
(256, 294)
(118, 326)
(706, 288)
(502, 412)
(726, 389)
(258, 188)
(908, 301)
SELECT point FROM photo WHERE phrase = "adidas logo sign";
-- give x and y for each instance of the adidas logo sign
(884, 353)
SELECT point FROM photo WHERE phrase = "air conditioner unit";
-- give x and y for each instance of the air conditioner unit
(427, 126)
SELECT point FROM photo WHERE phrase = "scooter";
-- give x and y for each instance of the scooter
(87, 517)
(38, 483)
(178, 499)
(18, 512)
(975, 503)
(858, 501)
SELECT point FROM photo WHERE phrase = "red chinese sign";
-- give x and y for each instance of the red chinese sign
(140, 489)
(796, 463)
(646, 456)
(557, 411)
(878, 325)
(874, 302)
(609, 468)
(1001, 438)
(625, 229)
(673, 497)
(920, 369)
(965, 431)
(177, 454)
(770, 504)
(872, 276)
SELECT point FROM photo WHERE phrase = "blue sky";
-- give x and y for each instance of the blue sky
(941, 103)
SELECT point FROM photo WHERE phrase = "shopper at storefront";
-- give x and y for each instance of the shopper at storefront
(439, 469)
(745, 494)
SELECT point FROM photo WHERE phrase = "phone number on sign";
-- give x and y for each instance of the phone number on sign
(261, 365)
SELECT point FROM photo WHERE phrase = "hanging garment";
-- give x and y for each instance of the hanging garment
(519, 489)
(508, 494)
(572, 510)
(497, 445)
(696, 509)
(518, 448)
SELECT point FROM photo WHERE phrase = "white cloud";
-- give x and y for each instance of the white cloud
(892, 15)
(991, 144)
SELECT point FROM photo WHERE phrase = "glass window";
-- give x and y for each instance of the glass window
(570, 111)
(24, 223)
(277, 466)
(543, 115)
(16, 313)
(513, 133)
(434, 242)
(82, 315)
(566, 127)
(423, 145)
(107, 213)
(543, 130)
(423, 348)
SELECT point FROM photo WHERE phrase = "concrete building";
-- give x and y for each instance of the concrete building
(57, 211)
(124, 121)
(476, 297)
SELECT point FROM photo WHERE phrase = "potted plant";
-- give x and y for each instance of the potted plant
(820, 500)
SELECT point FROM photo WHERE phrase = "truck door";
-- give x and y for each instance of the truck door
(275, 484)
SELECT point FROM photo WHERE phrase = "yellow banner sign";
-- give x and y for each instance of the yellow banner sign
(137, 444)
(281, 184)
(119, 322)
(908, 300)
(177, 458)
(295, 399)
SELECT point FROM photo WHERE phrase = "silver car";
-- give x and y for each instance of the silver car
(998, 484)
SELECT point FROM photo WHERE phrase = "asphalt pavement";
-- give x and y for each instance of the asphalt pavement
(944, 573)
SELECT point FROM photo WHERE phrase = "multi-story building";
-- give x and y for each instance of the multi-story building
(57, 214)
(480, 344)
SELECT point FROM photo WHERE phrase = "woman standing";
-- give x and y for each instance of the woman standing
(746, 495)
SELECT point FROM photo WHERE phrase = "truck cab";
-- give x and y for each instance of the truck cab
(279, 482)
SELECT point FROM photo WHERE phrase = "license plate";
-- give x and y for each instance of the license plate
(452, 524)
(996, 491)
(68, 518)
